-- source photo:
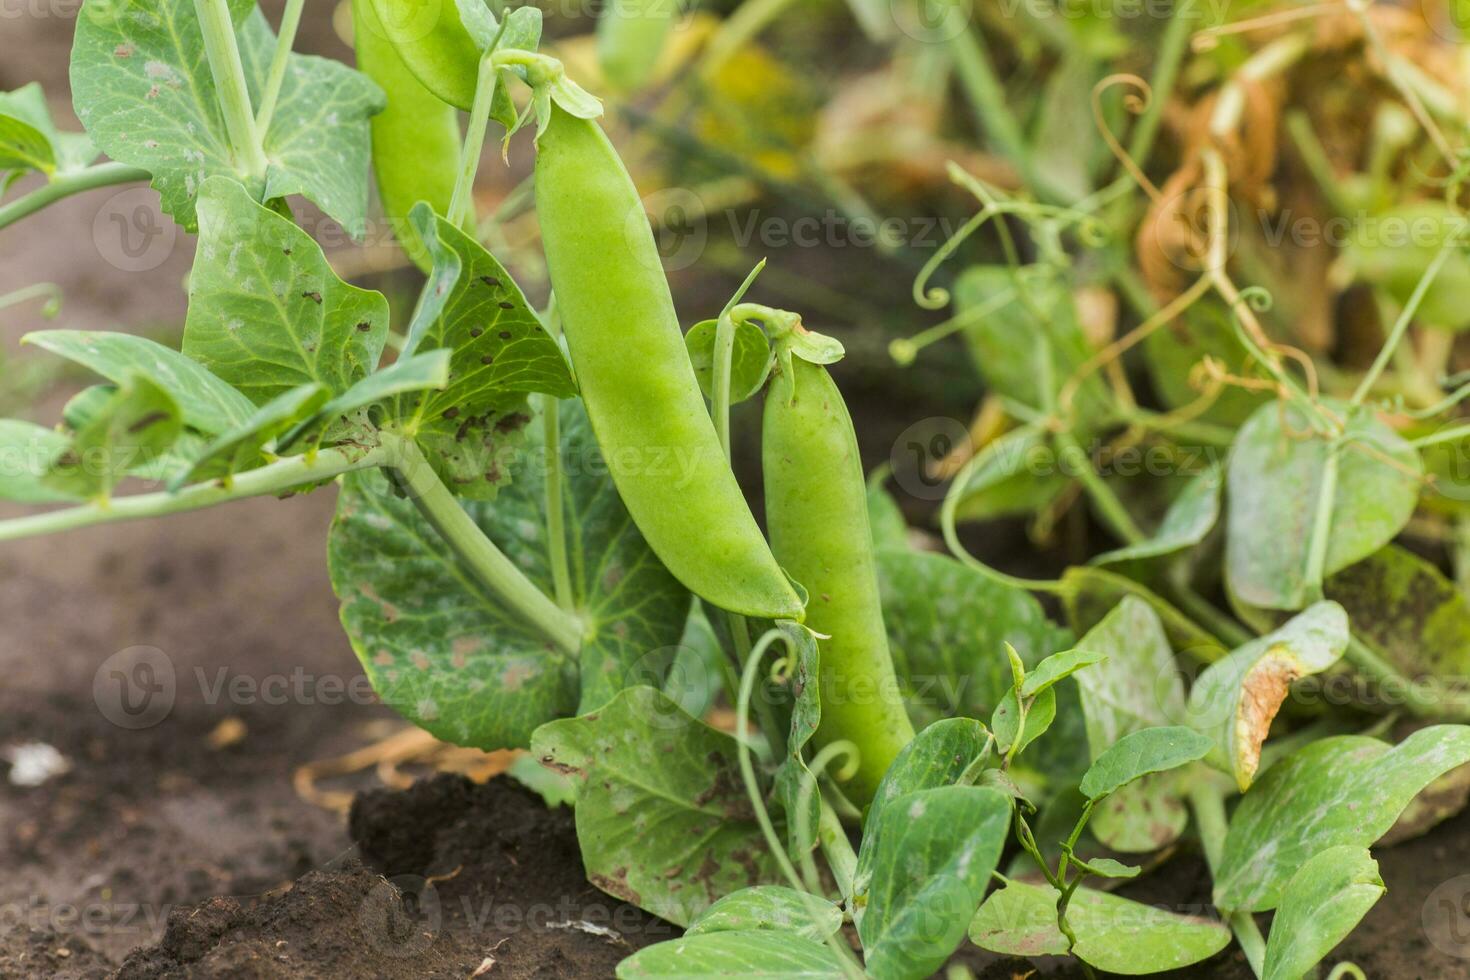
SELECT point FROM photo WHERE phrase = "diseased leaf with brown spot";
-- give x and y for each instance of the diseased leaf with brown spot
(662, 815)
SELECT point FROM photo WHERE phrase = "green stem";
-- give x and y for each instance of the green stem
(1209, 815)
(720, 402)
(1205, 613)
(50, 290)
(229, 83)
(285, 41)
(1316, 570)
(836, 848)
(1401, 325)
(1109, 506)
(462, 202)
(487, 563)
(101, 175)
(556, 531)
(268, 480)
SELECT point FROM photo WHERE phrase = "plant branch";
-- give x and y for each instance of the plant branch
(1209, 815)
(268, 480)
(462, 203)
(101, 175)
(481, 557)
(285, 41)
(229, 82)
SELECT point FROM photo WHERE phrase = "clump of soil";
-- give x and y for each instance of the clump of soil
(449, 878)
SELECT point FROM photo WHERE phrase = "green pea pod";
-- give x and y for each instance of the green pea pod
(630, 36)
(636, 379)
(416, 139)
(817, 514)
(431, 38)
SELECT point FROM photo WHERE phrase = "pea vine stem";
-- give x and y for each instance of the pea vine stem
(461, 203)
(285, 41)
(223, 53)
(556, 532)
(269, 480)
(90, 178)
(1208, 804)
(486, 562)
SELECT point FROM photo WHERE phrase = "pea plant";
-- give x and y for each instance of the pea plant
(540, 542)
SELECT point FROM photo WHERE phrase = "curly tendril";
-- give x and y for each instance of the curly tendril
(1136, 102)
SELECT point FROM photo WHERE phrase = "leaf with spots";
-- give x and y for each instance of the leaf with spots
(452, 659)
(933, 852)
(1279, 473)
(1114, 934)
(1325, 900)
(244, 447)
(137, 422)
(499, 353)
(773, 907)
(1186, 523)
(26, 452)
(143, 88)
(663, 818)
(266, 311)
(1343, 790)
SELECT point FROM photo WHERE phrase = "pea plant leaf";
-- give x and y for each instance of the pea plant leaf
(1006, 721)
(1114, 934)
(139, 67)
(758, 953)
(499, 352)
(456, 662)
(770, 907)
(243, 447)
(1056, 668)
(663, 818)
(750, 359)
(1348, 789)
(1092, 594)
(26, 453)
(1003, 342)
(29, 139)
(1235, 699)
(415, 373)
(1140, 754)
(1408, 612)
(890, 530)
(266, 311)
(1020, 474)
(138, 421)
(1324, 901)
(1137, 687)
(208, 404)
(806, 714)
(932, 855)
(1186, 523)
(1278, 475)
(947, 627)
(937, 756)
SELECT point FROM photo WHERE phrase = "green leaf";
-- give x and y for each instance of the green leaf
(806, 715)
(1324, 902)
(662, 814)
(1189, 519)
(1090, 595)
(452, 659)
(937, 756)
(1408, 612)
(1395, 260)
(695, 680)
(29, 139)
(1006, 721)
(1104, 867)
(1113, 934)
(1020, 474)
(1343, 790)
(499, 352)
(1276, 478)
(26, 452)
(947, 627)
(404, 376)
(890, 530)
(1235, 698)
(207, 403)
(1003, 343)
(1137, 687)
(266, 311)
(758, 954)
(243, 448)
(750, 360)
(1140, 753)
(933, 852)
(1055, 668)
(144, 91)
(137, 423)
(770, 907)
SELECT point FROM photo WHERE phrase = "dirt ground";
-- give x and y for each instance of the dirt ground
(167, 850)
